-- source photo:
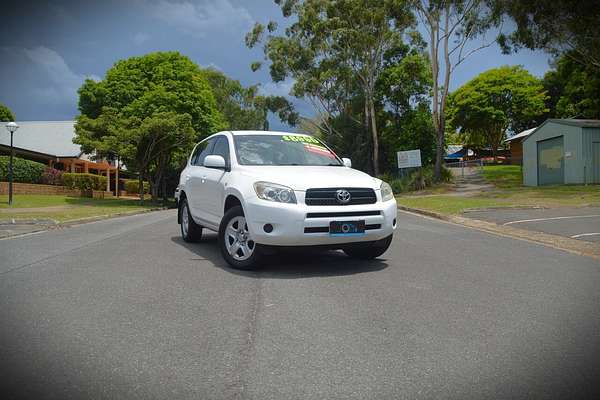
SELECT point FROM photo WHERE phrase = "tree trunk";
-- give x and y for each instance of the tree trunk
(164, 190)
(375, 137)
(141, 187)
(439, 153)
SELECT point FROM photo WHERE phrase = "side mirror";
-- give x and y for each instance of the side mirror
(347, 162)
(214, 161)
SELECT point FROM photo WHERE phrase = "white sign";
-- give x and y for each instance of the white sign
(409, 159)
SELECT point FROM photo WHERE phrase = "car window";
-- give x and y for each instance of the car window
(221, 148)
(202, 150)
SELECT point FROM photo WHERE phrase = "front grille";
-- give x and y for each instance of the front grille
(326, 196)
(343, 214)
(325, 229)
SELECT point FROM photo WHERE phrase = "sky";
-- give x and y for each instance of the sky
(48, 48)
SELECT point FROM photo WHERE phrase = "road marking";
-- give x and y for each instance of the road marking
(585, 234)
(550, 219)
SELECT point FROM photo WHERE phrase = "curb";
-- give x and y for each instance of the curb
(574, 246)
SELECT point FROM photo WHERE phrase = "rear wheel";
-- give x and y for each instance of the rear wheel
(368, 250)
(190, 231)
(237, 246)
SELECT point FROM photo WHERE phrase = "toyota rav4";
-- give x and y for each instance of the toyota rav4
(263, 190)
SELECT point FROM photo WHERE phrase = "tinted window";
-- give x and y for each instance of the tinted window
(283, 150)
(222, 148)
(202, 150)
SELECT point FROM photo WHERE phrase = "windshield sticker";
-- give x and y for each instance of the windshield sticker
(300, 139)
(318, 149)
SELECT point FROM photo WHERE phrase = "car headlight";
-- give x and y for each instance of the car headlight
(386, 192)
(274, 192)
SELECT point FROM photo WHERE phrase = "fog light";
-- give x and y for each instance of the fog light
(268, 228)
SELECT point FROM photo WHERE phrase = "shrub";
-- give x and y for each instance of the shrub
(52, 176)
(24, 171)
(132, 186)
(416, 180)
(84, 181)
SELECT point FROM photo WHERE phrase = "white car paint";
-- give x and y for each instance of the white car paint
(207, 190)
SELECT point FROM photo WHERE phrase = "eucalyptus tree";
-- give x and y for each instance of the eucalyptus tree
(331, 49)
(452, 26)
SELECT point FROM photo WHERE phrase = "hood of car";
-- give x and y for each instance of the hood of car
(306, 177)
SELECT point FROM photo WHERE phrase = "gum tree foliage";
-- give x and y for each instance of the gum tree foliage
(148, 111)
(574, 90)
(497, 100)
(566, 27)
(243, 108)
(334, 50)
(452, 27)
(5, 114)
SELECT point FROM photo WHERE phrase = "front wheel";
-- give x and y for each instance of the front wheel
(237, 246)
(368, 250)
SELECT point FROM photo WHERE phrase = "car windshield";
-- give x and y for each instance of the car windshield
(283, 150)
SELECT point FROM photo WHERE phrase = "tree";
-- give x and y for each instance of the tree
(573, 89)
(495, 101)
(332, 48)
(451, 26)
(243, 108)
(568, 27)
(141, 109)
(5, 114)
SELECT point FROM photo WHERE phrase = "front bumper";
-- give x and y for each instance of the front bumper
(293, 224)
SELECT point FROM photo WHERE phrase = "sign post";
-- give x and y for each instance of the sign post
(409, 159)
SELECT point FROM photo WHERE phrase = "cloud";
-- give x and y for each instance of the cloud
(140, 38)
(40, 76)
(277, 88)
(200, 19)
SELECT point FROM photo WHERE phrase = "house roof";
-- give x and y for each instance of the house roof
(521, 135)
(48, 137)
(583, 123)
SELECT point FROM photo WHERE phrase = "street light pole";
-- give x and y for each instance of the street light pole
(12, 127)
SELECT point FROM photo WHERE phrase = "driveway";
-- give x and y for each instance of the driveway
(124, 309)
(581, 223)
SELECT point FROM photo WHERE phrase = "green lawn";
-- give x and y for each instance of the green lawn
(509, 192)
(64, 208)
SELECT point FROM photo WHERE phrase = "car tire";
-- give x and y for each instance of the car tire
(237, 246)
(191, 232)
(368, 250)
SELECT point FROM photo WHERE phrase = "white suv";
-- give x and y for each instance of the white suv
(261, 190)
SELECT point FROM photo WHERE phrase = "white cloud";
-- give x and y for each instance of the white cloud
(200, 18)
(140, 38)
(277, 89)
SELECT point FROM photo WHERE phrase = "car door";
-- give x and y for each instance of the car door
(215, 180)
(196, 178)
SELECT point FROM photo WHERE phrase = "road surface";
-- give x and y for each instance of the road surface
(124, 309)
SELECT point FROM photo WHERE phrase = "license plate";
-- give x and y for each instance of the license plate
(346, 228)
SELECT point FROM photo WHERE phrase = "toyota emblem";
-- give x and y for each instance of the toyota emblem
(342, 196)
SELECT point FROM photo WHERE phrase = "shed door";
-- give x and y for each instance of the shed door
(551, 162)
(596, 162)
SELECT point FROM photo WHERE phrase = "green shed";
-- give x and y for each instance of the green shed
(562, 151)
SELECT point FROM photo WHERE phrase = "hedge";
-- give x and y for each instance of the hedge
(52, 176)
(24, 171)
(84, 181)
(132, 186)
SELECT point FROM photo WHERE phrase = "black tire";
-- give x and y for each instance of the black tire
(191, 232)
(368, 250)
(226, 241)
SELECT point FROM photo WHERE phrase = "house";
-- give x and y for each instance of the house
(515, 145)
(51, 143)
(562, 151)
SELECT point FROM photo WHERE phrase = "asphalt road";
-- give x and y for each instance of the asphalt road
(124, 309)
(582, 223)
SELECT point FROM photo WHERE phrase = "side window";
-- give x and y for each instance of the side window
(222, 149)
(202, 150)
